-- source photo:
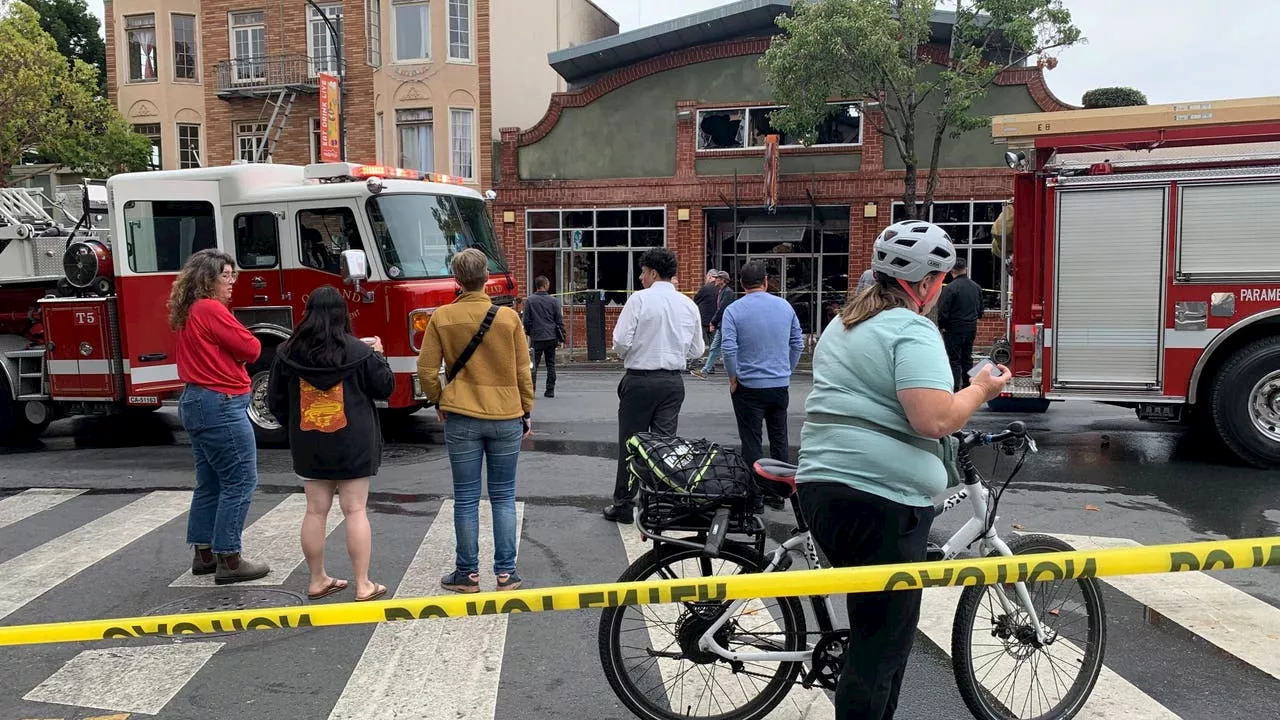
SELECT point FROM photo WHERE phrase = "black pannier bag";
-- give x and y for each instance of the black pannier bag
(683, 481)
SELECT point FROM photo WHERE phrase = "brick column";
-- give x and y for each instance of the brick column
(510, 156)
(109, 29)
(686, 151)
(872, 141)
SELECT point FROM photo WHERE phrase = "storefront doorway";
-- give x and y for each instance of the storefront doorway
(806, 251)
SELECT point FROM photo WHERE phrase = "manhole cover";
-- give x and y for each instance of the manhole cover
(223, 600)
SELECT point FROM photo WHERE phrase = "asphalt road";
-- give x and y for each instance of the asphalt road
(1174, 649)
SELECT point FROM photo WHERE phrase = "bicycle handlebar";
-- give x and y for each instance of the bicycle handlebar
(1016, 429)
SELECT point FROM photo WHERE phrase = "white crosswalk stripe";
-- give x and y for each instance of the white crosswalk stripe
(457, 669)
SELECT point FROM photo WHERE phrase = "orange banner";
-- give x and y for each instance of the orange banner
(330, 107)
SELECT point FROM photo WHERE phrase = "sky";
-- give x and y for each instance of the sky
(1172, 50)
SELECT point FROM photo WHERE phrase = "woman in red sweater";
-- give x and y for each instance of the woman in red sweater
(212, 349)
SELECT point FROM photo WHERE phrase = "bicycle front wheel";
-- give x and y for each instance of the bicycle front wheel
(1003, 671)
(651, 657)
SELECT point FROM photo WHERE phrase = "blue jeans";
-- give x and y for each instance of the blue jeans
(226, 460)
(473, 443)
(713, 354)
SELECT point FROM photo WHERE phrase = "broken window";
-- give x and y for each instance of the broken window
(592, 251)
(747, 127)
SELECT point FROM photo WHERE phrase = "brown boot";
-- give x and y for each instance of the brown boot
(232, 569)
(204, 562)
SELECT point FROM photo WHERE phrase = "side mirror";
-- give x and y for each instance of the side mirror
(355, 266)
(94, 199)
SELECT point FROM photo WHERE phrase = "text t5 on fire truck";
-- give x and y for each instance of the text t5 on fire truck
(1146, 263)
(83, 323)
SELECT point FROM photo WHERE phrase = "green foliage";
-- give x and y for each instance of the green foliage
(876, 51)
(51, 109)
(75, 29)
(1108, 97)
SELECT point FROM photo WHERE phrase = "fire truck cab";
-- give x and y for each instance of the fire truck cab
(1146, 263)
(95, 338)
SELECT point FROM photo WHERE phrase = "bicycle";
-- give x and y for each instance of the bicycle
(705, 633)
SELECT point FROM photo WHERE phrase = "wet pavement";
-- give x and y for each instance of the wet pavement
(1100, 472)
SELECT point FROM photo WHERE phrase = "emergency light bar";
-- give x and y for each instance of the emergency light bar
(353, 171)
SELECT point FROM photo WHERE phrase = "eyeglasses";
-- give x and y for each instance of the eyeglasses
(230, 276)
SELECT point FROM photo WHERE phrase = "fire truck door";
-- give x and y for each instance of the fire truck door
(155, 227)
(1109, 269)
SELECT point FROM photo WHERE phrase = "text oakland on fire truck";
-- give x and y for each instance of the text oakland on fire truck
(83, 323)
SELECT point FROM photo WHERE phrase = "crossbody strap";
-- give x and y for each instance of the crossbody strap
(930, 446)
(475, 343)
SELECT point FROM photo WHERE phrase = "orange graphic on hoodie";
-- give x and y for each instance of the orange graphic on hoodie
(321, 410)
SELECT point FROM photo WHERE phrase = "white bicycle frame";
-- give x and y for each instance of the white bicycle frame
(970, 532)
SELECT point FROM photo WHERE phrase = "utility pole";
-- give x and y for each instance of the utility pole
(342, 79)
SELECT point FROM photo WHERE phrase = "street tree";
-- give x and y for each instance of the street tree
(883, 52)
(50, 109)
(75, 29)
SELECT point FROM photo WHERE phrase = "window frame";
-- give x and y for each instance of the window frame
(316, 27)
(235, 239)
(155, 48)
(255, 63)
(417, 123)
(470, 59)
(321, 208)
(195, 46)
(130, 245)
(395, 32)
(748, 108)
(474, 150)
(157, 141)
(562, 277)
(373, 33)
(966, 247)
(178, 128)
(238, 133)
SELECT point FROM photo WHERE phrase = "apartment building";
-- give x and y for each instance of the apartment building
(425, 83)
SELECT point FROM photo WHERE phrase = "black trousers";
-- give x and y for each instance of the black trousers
(648, 401)
(856, 528)
(959, 344)
(753, 405)
(545, 349)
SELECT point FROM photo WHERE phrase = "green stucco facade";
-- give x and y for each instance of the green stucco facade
(631, 132)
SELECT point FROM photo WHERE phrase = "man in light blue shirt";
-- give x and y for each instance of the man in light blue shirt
(762, 342)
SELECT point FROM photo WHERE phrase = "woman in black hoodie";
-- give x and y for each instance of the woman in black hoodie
(323, 383)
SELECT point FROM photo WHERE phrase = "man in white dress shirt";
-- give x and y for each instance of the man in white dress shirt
(658, 332)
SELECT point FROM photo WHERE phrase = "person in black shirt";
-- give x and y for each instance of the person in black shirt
(544, 324)
(707, 300)
(959, 308)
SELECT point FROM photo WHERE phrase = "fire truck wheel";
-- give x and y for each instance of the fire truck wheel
(1246, 403)
(267, 431)
(21, 421)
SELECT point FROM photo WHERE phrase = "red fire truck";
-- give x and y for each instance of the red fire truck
(1146, 263)
(83, 323)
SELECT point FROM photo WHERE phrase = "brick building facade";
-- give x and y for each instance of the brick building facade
(637, 154)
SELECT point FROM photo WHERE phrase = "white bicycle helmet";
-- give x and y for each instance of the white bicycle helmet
(911, 249)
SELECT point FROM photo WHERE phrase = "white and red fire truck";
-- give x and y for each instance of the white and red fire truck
(83, 322)
(1146, 263)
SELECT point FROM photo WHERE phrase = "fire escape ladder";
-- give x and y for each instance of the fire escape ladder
(281, 106)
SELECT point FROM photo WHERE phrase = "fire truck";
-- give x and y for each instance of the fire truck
(83, 319)
(1145, 264)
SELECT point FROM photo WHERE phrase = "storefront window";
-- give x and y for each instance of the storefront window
(968, 222)
(746, 127)
(584, 251)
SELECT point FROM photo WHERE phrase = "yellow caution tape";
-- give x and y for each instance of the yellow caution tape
(1214, 555)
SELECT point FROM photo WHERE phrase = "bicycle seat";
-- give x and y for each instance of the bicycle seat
(776, 476)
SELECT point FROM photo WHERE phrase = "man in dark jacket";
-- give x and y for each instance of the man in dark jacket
(724, 296)
(707, 300)
(544, 324)
(959, 308)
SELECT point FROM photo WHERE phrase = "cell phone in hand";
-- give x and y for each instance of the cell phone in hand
(984, 363)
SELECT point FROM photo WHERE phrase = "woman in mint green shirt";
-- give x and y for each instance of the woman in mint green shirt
(882, 396)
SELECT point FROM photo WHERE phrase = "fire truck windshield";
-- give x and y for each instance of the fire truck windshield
(417, 235)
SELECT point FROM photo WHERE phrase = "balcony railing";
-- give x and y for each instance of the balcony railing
(267, 73)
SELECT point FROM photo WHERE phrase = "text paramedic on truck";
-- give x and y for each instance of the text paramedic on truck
(98, 343)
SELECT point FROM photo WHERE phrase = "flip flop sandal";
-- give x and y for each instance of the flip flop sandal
(335, 585)
(382, 590)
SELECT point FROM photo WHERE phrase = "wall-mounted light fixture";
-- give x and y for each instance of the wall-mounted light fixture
(684, 114)
(508, 216)
(682, 214)
(869, 210)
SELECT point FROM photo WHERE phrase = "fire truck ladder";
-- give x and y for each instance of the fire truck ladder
(281, 107)
(21, 214)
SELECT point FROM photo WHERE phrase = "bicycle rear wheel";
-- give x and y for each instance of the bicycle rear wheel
(651, 657)
(1074, 614)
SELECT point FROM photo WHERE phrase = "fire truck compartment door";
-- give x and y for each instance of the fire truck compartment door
(1110, 249)
(156, 227)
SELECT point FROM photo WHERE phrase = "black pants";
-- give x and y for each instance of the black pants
(753, 405)
(648, 401)
(856, 528)
(547, 349)
(959, 344)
